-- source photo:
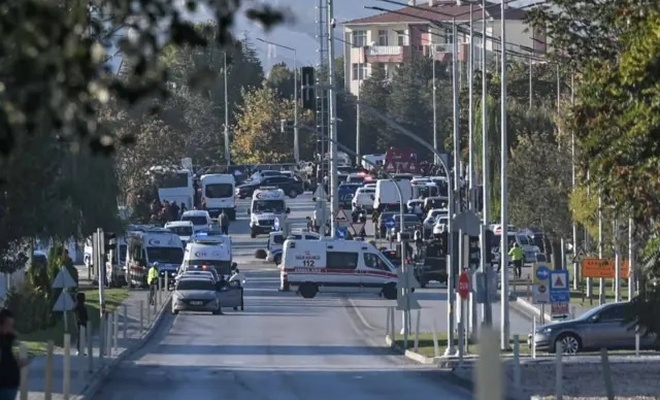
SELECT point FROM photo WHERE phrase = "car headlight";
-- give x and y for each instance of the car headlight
(546, 331)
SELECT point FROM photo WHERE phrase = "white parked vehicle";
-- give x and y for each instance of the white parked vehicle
(209, 250)
(336, 266)
(150, 245)
(364, 199)
(218, 194)
(431, 218)
(276, 240)
(184, 229)
(440, 225)
(268, 208)
(174, 184)
(199, 218)
(387, 195)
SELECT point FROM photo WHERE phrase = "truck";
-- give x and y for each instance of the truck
(401, 160)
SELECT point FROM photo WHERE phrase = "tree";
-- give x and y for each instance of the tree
(54, 78)
(374, 92)
(281, 78)
(539, 187)
(258, 135)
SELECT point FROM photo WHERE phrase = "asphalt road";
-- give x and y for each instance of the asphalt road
(282, 347)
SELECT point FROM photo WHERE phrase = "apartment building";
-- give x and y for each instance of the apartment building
(424, 27)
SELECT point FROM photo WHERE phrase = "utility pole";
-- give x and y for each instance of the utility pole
(435, 106)
(296, 138)
(321, 93)
(227, 153)
(575, 245)
(504, 196)
(470, 113)
(334, 200)
(358, 160)
(487, 311)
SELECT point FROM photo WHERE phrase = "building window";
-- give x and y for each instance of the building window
(359, 71)
(383, 37)
(359, 38)
(401, 39)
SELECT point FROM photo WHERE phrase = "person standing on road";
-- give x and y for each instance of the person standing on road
(81, 318)
(152, 281)
(516, 254)
(223, 220)
(10, 365)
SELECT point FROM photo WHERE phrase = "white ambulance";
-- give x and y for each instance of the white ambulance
(336, 266)
(148, 245)
(267, 210)
(208, 249)
(218, 194)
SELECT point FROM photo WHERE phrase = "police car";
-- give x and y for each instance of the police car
(268, 211)
(336, 266)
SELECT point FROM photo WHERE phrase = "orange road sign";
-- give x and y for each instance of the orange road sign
(600, 268)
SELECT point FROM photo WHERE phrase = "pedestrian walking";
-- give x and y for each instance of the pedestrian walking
(517, 256)
(81, 318)
(223, 219)
(10, 365)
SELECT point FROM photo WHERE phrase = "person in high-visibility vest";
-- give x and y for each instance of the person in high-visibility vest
(517, 255)
(152, 281)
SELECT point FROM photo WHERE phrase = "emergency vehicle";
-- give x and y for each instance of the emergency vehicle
(209, 249)
(268, 205)
(148, 245)
(218, 194)
(276, 242)
(336, 266)
(115, 266)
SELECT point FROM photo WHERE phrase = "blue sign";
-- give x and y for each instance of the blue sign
(276, 224)
(389, 224)
(542, 272)
(341, 232)
(559, 287)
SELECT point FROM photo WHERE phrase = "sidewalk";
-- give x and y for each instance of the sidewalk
(83, 381)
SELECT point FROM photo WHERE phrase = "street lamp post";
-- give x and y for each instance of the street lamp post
(296, 138)
(227, 153)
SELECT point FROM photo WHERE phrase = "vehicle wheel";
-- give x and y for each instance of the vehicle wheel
(253, 235)
(293, 193)
(389, 291)
(242, 307)
(278, 259)
(570, 343)
(308, 290)
(260, 254)
(286, 286)
(175, 312)
(423, 283)
(235, 308)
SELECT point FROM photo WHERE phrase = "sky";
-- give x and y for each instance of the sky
(300, 33)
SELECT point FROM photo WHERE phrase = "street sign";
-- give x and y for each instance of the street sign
(320, 193)
(276, 224)
(559, 310)
(63, 280)
(559, 287)
(601, 268)
(407, 280)
(466, 222)
(407, 302)
(389, 224)
(540, 283)
(64, 302)
(357, 228)
(542, 273)
(342, 218)
(342, 232)
(464, 285)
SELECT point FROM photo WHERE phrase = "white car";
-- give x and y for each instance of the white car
(431, 217)
(200, 219)
(440, 225)
(364, 198)
(184, 229)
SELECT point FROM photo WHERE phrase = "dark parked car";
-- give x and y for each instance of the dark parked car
(290, 186)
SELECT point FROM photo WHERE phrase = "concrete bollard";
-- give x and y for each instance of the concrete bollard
(516, 362)
(48, 382)
(115, 330)
(141, 316)
(23, 389)
(387, 322)
(66, 378)
(419, 317)
(108, 336)
(148, 315)
(461, 342)
(559, 371)
(125, 320)
(90, 347)
(102, 338)
(392, 327)
(82, 348)
(637, 341)
(533, 341)
(436, 349)
(607, 374)
(489, 374)
(160, 292)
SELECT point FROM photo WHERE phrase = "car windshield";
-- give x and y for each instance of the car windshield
(219, 190)
(222, 267)
(181, 230)
(407, 218)
(387, 215)
(165, 255)
(195, 284)
(195, 219)
(357, 179)
(590, 313)
(523, 240)
(274, 206)
(442, 220)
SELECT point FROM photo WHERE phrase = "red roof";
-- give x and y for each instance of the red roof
(423, 12)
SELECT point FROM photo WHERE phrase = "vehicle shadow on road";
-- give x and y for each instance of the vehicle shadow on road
(272, 349)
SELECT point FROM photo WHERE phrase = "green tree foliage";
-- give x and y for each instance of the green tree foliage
(281, 78)
(540, 184)
(258, 136)
(374, 92)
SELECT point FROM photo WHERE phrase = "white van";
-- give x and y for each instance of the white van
(364, 199)
(218, 194)
(337, 266)
(210, 250)
(149, 245)
(199, 218)
(276, 242)
(268, 208)
(387, 195)
(184, 229)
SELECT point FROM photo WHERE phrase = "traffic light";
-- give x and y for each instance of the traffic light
(474, 251)
(308, 92)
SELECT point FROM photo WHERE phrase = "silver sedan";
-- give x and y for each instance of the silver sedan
(195, 293)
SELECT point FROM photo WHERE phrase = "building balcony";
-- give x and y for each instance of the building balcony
(386, 54)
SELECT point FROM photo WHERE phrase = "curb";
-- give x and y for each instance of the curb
(97, 379)
(531, 309)
(407, 353)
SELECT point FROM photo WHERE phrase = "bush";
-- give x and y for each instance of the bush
(31, 306)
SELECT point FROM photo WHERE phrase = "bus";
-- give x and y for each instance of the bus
(173, 185)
